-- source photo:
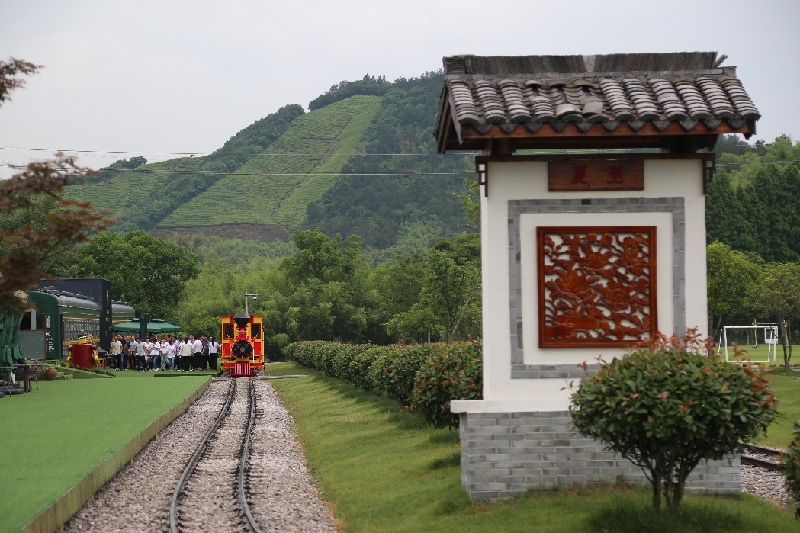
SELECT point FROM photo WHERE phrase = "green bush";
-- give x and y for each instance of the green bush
(421, 377)
(394, 372)
(455, 372)
(665, 407)
(792, 463)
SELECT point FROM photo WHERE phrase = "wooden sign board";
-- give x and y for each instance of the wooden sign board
(596, 175)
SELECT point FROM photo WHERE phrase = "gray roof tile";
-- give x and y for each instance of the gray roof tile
(634, 89)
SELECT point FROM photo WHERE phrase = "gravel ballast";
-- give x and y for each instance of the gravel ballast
(283, 495)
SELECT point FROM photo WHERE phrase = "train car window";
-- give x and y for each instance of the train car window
(227, 331)
(255, 331)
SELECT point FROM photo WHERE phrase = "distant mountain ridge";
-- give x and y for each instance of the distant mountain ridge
(281, 174)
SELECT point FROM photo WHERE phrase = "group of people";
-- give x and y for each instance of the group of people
(167, 353)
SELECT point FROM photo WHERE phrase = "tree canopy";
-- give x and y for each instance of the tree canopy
(147, 272)
(36, 219)
(731, 277)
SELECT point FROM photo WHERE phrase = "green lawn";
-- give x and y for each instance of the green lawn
(53, 437)
(787, 389)
(388, 472)
(760, 354)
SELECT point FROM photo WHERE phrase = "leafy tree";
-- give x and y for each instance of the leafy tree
(471, 202)
(9, 70)
(147, 272)
(778, 295)
(731, 277)
(448, 306)
(753, 204)
(59, 260)
(37, 220)
(328, 296)
(732, 144)
(111, 170)
(665, 407)
(369, 85)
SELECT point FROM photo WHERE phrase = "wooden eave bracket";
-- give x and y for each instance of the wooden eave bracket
(482, 171)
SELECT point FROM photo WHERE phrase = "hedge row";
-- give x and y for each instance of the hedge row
(423, 378)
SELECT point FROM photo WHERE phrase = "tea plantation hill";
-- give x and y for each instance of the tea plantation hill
(281, 174)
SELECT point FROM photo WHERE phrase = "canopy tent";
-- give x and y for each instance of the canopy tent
(153, 326)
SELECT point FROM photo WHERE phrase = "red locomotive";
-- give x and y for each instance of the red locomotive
(242, 344)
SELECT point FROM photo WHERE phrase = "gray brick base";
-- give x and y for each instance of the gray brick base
(505, 454)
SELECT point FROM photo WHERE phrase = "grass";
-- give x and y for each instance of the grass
(787, 389)
(54, 436)
(386, 471)
(759, 354)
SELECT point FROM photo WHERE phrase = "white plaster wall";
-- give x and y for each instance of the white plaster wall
(528, 180)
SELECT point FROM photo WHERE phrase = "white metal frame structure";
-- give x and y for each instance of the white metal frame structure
(770, 339)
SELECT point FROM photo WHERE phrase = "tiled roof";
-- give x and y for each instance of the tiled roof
(615, 89)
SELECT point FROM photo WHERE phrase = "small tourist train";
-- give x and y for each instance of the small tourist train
(242, 342)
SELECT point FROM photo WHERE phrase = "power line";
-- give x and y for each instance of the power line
(757, 163)
(205, 154)
(216, 173)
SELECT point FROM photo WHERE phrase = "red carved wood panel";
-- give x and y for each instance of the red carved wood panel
(597, 285)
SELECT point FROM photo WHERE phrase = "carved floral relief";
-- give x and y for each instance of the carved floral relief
(597, 285)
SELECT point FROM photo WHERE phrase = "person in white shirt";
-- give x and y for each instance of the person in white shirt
(116, 354)
(155, 353)
(213, 352)
(168, 348)
(186, 355)
(141, 355)
(197, 358)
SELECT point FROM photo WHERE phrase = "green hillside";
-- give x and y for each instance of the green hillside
(275, 187)
(281, 174)
(142, 196)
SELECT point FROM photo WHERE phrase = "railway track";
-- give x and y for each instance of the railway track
(212, 492)
(763, 457)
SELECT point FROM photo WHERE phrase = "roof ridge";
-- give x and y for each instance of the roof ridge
(469, 64)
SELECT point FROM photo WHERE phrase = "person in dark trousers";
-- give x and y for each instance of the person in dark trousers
(213, 352)
(197, 348)
(116, 353)
(204, 358)
(141, 355)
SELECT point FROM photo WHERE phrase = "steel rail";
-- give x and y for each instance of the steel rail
(763, 463)
(251, 522)
(187, 472)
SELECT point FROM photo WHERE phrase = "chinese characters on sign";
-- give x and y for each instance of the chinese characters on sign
(596, 285)
(596, 175)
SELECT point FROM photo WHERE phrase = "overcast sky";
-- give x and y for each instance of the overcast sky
(159, 77)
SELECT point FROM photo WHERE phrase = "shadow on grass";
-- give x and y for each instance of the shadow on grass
(453, 459)
(633, 515)
(381, 404)
(445, 437)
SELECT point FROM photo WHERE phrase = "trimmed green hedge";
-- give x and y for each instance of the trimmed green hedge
(423, 378)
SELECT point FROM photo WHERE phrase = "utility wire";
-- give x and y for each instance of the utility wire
(757, 163)
(204, 154)
(216, 173)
